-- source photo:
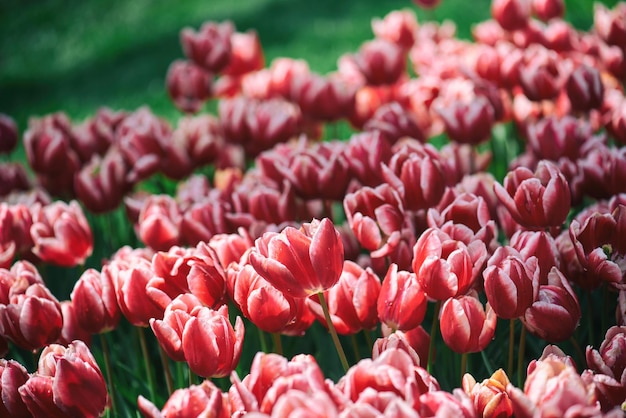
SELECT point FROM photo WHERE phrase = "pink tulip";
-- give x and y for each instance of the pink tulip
(204, 399)
(381, 62)
(489, 397)
(548, 9)
(159, 222)
(246, 54)
(608, 367)
(210, 47)
(511, 14)
(398, 26)
(8, 134)
(12, 376)
(401, 302)
(188, 85)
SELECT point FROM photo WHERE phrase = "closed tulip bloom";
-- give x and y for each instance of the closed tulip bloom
(204, 399)
(446, 267)
(468, 122)
(511, 14)
(188, 85)
(211, 345)
(351, 301)
(536, 200)
(130, 278)
(398, 26)
(61, 234)
(548, 9)
(540, 74)
(169, 330)
(323, 98)
(608, 367)
(395, 122)
(365, 153)
(13, 177)
(246, 54)
(511, 282)
(555, 314)
(210, 47)
(585, 88)
(12, 376)
(159, 222)
(402, 301)
(489, 397)
(466, 326)
(8, 134)
(33, 316)
(381, 62)
(300, 262)
(68, 383)
(610, 24)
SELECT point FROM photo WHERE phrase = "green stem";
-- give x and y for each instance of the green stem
(166, 370)
(463, 364)
(433, 329)
(146, 359)
(509, 368)
(278, 344)
(520, 359)
(107, 367)
(262, 339)
(368, 339)
(355, 347)
(333, 332)
(579, 352)
(180, 375)
(589, 318)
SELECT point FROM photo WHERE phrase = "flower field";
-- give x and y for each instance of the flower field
(430, 222)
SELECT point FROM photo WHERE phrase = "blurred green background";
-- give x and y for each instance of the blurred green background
(76, 55)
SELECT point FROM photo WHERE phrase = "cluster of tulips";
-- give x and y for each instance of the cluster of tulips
(365, 234)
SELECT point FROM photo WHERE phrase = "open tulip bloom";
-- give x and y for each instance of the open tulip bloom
(448, 215)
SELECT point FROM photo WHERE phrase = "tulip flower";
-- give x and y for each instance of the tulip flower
(12, 376)
(300, 262)
(468, 122)
(553, 386)
(95, 305)
(540, 74)
(72, 329)
(398, 26)
(351, 301)
(61, 234)
(548, 9)
(322, 98)
(466, 326)
(159, 222)
(511, 14)
(381, 62)
(68, 382)
(13, 177)
(585, 89)
(555, 314)
(402, 301)
(188, 85)
(211, 345)
(8, 134)
(609, 24)
(446, 267)
(415, 341)
(196, 400)
(511, 282)
(365, 153)
(210, 47)
(608, 365)
(489, 397)
(538, 200)
(246, 54)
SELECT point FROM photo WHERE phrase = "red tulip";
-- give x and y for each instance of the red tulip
(169, 330)
(395, 122)
(68, 382)
(323, 98)
(12, 376)
(538, 200)
(94, 302)
(540, 74)
(351, 301)
(466, 326)
(468, 122)
(555, 314)
(72, 330)
(585, 88)
(188, 85)
(130, 277)
(381, 62)
(511, 14)
(511, 282)
(446, 404)
(196, 400)
(608, 368)
(159, 222)
(446, 267)
(202, 136)
(246, 54)
(300, 262)
(298, 403)
(8, 134)
(61, 234)
(402, 301)
(211, 346)
(365, 153)
(489, 397)
(548, 9)
(398, 26)
(31, 316)
(610, 24)
(13, 177)
(210, 47)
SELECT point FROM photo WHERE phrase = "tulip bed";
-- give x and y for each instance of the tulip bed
(436, 228)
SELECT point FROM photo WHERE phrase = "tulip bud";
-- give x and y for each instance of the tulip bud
(548, 9)
(210, 47)
(94, 302)
(188, 85)
(381, 62)
(585, 89)
(402, 302)
(468, 123)
(246, 54)
(398, 26)
(8, 134)
(466, 326)
(159, 222)
(53, 390)
(511, 14)
(555, 314)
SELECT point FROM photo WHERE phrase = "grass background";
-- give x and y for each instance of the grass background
(75, 56)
